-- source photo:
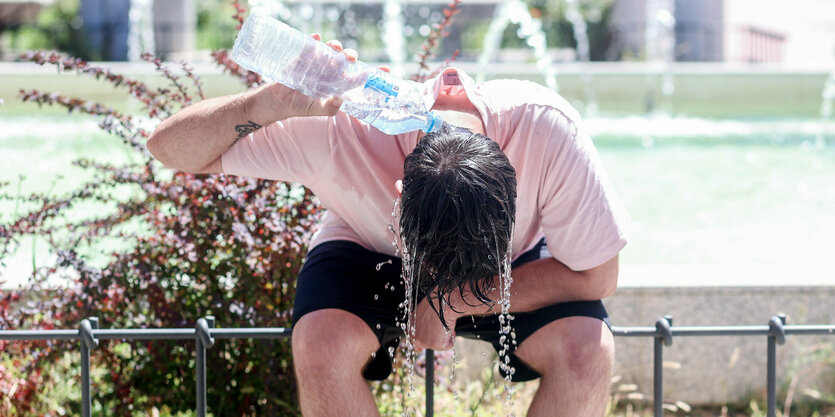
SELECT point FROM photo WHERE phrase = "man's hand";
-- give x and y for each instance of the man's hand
(297, 104)
(429, 332)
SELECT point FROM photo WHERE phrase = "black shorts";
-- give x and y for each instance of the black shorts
(345, 276)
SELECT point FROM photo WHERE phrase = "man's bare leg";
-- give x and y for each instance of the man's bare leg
(574, 355)
(330, 348)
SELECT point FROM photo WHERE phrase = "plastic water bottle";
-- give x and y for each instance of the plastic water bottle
(285, 55)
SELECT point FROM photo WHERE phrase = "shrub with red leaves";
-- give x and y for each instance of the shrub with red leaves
(199, 245)
(207, 245)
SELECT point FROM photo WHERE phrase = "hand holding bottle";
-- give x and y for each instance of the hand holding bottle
(297, 104)
(283, 54)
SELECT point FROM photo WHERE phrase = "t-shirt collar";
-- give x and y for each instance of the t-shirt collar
(455, 76)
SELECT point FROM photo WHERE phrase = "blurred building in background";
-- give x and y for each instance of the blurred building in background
(114, 28)
(797, 33)
(175, 26)
(801, 32)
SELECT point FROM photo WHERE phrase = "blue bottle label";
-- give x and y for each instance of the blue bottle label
(377, 83)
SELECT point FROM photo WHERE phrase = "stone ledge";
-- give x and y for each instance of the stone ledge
(726, 369)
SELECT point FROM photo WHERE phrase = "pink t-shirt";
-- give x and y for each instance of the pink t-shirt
(562, 190)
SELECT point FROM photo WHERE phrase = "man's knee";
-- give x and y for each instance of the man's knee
(576, 347)
(331, 341)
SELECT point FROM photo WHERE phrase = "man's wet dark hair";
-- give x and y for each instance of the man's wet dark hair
(458, 208)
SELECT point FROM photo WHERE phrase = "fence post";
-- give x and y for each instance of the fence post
(663, 337)
(776, 335)
(430, 382)
(88, 342)
(204, 341)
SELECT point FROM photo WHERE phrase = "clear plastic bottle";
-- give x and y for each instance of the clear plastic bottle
(285, 55)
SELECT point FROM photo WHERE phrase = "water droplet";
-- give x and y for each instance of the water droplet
(376, 296)
(378, 326)
(373, 354)
(380, 265)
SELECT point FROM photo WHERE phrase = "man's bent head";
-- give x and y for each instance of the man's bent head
(457, 212)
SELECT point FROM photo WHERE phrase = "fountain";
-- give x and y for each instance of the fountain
(660, 39)
(580, 29)
(270, 8)
(393, 34)
(141, 30)
(828, 97)
(530, 28)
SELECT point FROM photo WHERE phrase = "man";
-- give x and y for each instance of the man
(520, 175)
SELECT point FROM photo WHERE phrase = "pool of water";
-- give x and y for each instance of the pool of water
(700, 192)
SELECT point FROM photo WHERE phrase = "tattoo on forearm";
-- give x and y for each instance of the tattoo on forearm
(244, 130)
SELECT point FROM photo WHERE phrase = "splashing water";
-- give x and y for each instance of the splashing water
(660, 39)
(380, 266)
(826, 124)
(406, 317)
(411, 269)
(274, 8)
(393, 34)
(395, 220)
(411, 266)
(452, 375)
(530, 28)
(507, 337)
(141, 29)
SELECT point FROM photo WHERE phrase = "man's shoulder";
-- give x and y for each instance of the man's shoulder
(512, 95)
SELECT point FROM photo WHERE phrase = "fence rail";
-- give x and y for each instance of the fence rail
(204, 335)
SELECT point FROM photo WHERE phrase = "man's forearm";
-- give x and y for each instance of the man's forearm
(545, 282)
(196, 136)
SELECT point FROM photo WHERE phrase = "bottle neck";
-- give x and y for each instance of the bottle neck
(433, 123)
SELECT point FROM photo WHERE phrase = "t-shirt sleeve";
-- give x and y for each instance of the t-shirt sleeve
(294, 150)
(582, 219)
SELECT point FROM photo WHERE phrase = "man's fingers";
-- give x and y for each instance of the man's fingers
(384, 68)
(322, 107)
(327, 107)
(316, 36)
(351, 54)
(335, 44)
(334, 103)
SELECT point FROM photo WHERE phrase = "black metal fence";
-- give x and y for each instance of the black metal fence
(204, 335)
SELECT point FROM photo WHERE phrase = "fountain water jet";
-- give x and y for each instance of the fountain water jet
(393, 34)
(580, 29)
(828, 97)
(141, 30)
(660, 42)
(530, 28)
(274, 8)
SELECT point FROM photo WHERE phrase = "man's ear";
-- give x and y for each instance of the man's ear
(398, 185)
